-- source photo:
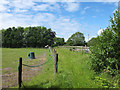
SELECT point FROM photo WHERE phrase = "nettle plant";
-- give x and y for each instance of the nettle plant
(105, 53)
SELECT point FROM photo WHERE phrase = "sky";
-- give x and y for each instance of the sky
(65, 17)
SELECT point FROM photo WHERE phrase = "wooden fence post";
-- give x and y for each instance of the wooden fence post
(20, 72)
(56, 64)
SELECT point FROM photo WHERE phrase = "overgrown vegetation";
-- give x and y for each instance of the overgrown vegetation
(105, 53)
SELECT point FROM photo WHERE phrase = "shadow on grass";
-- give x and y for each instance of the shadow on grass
(38, 86)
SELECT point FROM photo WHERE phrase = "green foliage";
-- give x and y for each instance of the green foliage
(0, 38)
(76, 39)
(105, 53)
(58, 41)
(104, 83)
(27, 37)
(92, 42)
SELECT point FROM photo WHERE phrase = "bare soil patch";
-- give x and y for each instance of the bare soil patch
(11, 79)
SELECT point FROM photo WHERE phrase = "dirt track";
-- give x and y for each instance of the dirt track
(11, 79)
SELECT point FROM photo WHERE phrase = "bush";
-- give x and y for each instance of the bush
(105, 53)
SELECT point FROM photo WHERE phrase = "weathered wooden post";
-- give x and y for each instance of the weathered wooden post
(20, 72)
(56, 63)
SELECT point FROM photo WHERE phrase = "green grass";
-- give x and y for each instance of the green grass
(10, 57)
(73, 72)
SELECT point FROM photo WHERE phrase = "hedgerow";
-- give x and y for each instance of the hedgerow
(105, 53)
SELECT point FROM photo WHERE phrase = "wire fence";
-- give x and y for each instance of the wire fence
(53, 55)
(38, 65)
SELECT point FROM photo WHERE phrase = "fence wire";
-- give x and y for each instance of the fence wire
(38, 65)
(52, 53)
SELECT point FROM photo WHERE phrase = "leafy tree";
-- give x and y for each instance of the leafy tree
(76, 39)
(17, 37)
(105, 53)
(6, 38)
(92, 42)
(1, 38)
(59, 41)
(27, 37)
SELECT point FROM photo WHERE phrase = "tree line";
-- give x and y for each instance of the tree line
(27, 37)
(13, 37)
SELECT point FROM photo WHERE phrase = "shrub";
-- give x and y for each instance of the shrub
(105, 53)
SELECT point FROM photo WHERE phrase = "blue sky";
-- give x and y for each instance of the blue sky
(65, 18)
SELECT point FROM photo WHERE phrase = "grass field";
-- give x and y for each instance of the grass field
(73, 72)
(10, 57)
(73, 69)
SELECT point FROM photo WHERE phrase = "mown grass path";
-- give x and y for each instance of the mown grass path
(74, 68)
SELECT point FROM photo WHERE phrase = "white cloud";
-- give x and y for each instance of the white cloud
(100, 31)
(15, 20)
(20, 10)
(2, 8)
(4, 2)
(58, 24)
(43, 18)
(116, 4)
(65, 26)
(110, 2)
(104, 0)
(43, 7)
(47, 7)
(76, 0)
(71, 6)
(22, 4)
(84, 10)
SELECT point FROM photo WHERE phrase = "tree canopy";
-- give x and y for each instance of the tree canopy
(58, 41)
(76, 39)
(27, 37)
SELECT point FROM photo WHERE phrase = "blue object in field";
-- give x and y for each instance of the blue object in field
(31, 55)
